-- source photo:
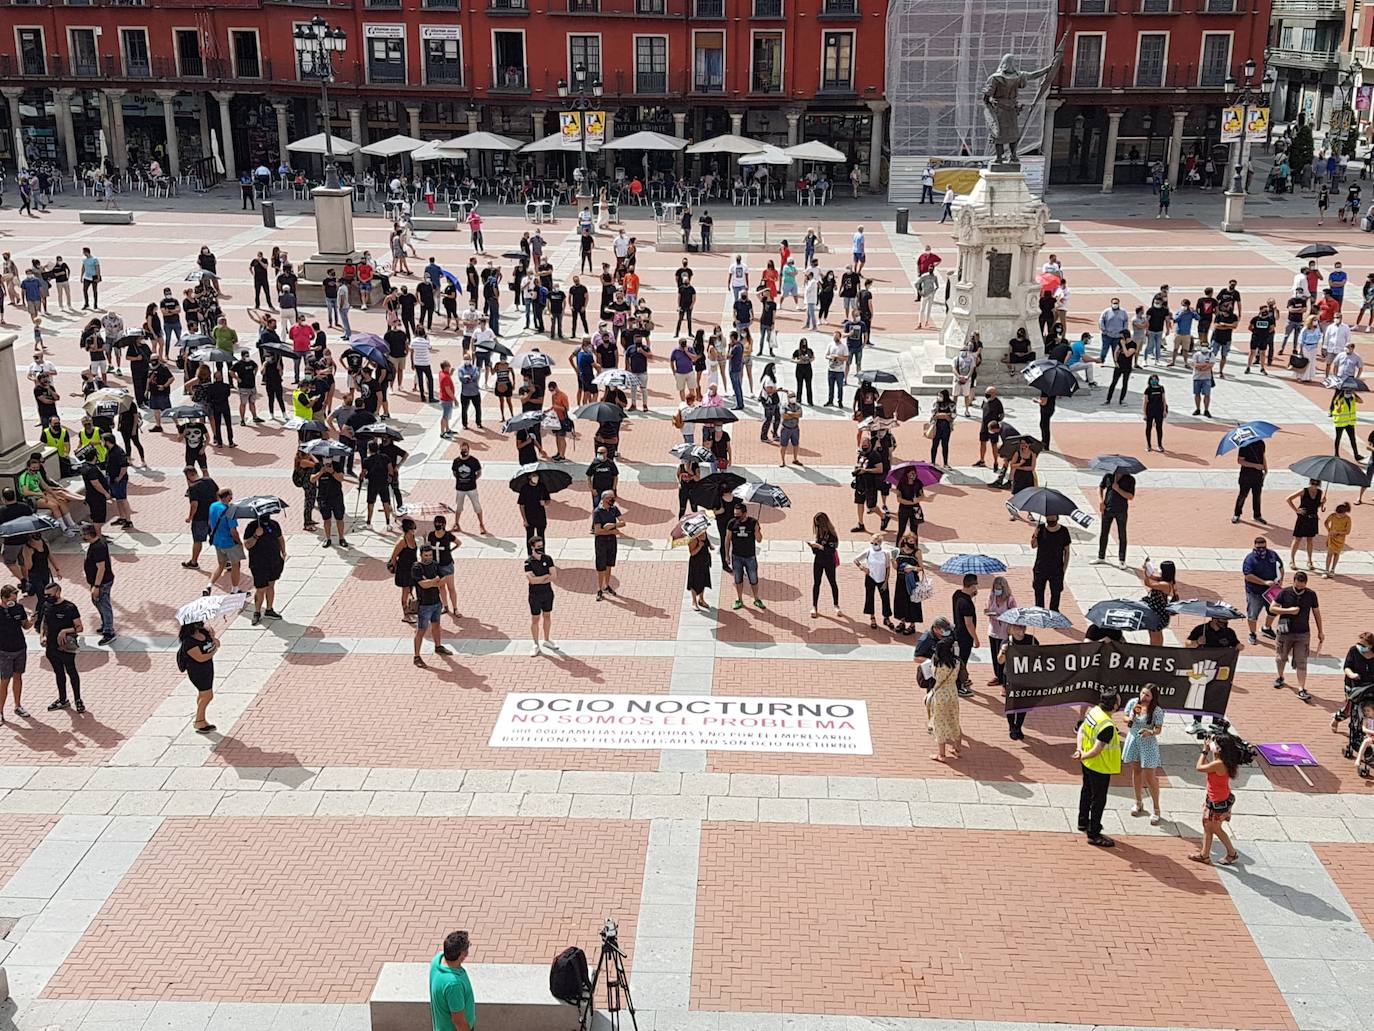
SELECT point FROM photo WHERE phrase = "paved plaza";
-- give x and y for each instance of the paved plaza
(349, 810)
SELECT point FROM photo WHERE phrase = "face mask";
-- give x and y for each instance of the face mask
(1116, 307)
(998, 591)
(1365, 649)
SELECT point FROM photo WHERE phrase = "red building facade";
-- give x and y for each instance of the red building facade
(158, 77)
(1143, 81)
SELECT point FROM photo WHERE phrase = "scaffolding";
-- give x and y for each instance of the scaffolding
(939, 55)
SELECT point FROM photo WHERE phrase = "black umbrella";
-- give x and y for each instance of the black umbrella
(1117, 464)
(379, 429)
(600, 411)
(535, 360)
(523, 421)
(128, 339)
(304, 426)
(1051, 377)
(1330, 469)
(492, 345)
(1044, 501)
(763, 494)
(708, 413)
(1009, 447)
(277, 347)
(326, 449)
(876, 376)
(1317, 250)
(708, 490)
(1210, 609)
(1124, 614)
(193, 340)
(899, 405)
(1350, 383)
(257, 506)
(553, 477)
(691, 453)
(25, 525)
(185, 413)
(211, 355)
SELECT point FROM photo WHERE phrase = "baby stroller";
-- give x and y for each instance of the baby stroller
(1359, 710)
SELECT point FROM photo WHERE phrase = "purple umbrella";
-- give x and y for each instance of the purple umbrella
(928, 474)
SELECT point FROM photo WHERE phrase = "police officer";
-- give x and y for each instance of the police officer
(1099, 750)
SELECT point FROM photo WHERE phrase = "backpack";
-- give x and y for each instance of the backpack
(568, 978)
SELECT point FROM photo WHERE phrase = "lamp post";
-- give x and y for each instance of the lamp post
(1347, 110)
(1245, 97)
(316, 44)
(580, 87)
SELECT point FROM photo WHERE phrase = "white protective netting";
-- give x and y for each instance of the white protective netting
(939, 55)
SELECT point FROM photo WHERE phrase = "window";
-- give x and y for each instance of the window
(710, 8)
(244, 44)
(767, 8)
(1221, 7)
(708, 62)
(840, 7)
(85, 56)
(651, 64)
(395, 4)
(766, 66)
(584, 6)
(1087, 60)
(650, 7)
(1155, 6)
(134, 43)
(1092, 6)
(837, 61)
(507, 5)
(1152, 50)
(586, 51)
(386, 59)
(188, 52)
(443, 112)
(437, 5)
(508, 59)
(1215, 62)
(31, 59)
(444, 61)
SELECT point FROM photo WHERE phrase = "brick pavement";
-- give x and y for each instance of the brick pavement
(280, 910)
(910, 934)
(1348, 866)
(20, 834)
(377, 710)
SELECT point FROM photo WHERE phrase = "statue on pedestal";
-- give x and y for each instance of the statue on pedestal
(1000, 106)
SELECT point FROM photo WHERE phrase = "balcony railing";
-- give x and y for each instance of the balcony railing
(655, 83)
(1225, 7)
(138, 68)
(710, 8)
(767, 8)
(1156, 6)
(508, 6)
(247, 68)
(836, 8)
(761, 84)
(382, 5)
(511, 79)
(1317, 60)
(443, 74)
(1311, 8)
(584, 6)
(388, 72)
(1123, 77)
(440, 5)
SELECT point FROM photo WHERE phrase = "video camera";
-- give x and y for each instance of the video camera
(1222, 729)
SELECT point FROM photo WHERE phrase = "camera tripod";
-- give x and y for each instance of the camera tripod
(612, 963)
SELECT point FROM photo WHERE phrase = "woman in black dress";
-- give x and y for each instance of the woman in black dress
(38, 567)
(910, 572)
(1022, 468)
(1163, 590)
(402, 566)
(804, 358)
(825, 557)
(1307, 503)
(195, 657)
(699, 570)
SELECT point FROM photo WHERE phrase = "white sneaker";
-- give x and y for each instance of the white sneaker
(1137, 810)
(549, 644)
(535, 650)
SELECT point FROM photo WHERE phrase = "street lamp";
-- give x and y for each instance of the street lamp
(1347, 109)
(580, 87)
(316, 43)
(1245, 97)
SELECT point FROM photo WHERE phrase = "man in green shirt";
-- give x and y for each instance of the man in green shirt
(224, 337)
(452, 1006)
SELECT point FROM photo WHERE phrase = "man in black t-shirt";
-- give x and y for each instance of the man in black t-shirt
(990, 429)
(745, 533)
(1297, 608)
(965, 619)
(61, 625)
(217, 394)
(428, 602)
(532, 497)
(686, 299)
(1253, 468)
(1115, 494)
(1214, 633)
(467, 470)
(244, 376)
(539, 574)
(99, 578)
(193, 436)
(1051, 542)
(202, 492)
(603, 475)
(377, 474)
(1016, 635)
(14, 620)
(606, 523)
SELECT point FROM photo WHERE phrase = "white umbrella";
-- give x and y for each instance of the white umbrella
(431, 152)
(765, 156)
(481, 141)
(727, 145)
(214, 149)
(316, 145)
(646, 140)
(104, 147)
(213, 606)
(391, 146)
(554, 143)
(814, 150)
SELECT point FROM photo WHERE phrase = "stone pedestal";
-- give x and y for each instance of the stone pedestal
(1233, 213)
(14, 445)
(333, 232)
(999, 229)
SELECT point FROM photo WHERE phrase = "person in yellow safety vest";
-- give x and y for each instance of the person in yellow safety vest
(1099, 750)
(300, 403)
(1344, 409)
(59, 438)
(89, 435)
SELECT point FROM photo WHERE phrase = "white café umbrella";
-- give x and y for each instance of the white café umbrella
(316, 145)
(814, 150)
(481, 141)
(214, 149)
(553, 143)
(391, 146)
(765, 156)
(430, 152)
(104, 147)
(646, 140)
(727, 145)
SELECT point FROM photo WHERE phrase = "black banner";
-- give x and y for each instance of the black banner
(1195, 680)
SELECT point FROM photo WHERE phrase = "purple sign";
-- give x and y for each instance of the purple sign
(1286, 753)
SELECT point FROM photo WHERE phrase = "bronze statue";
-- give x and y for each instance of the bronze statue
(1000, 106)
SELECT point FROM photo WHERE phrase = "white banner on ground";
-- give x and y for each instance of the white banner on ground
(720, 723)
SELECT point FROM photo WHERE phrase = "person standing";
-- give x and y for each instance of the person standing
(90, 280)
(452, 1005)
(224, 538)
(429, 606)
(1307, 504)
(1123, 356)
(744, 533)
(1047, 403)
(1296, 606)
(1115, 494)
(420, 364)
(266, 546)
(965, 619)
(1144, 724)
(1154, 407)
(195, 657)
(60, 626)
(539, 574)
(1099, 751)
(1052, 544)
(825, 557)
(467, 470)
(99, 578)
(1220, 761)
(14, 620)
(942, 703)
(877, 566)
(607, 522)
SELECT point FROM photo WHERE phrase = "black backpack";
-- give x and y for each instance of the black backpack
(568, 979)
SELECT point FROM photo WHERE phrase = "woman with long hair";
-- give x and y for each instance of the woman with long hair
(196, 658)
(942, 421)
(825, 556)
(1144, 724)
(942, 702)
(1163, 590)
(1220, 760)
(1000, 599)
(699, 570)
(910, 572)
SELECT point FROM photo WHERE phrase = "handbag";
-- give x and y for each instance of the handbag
(929, 432)
(1298, 361)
